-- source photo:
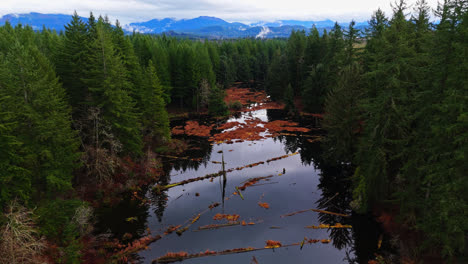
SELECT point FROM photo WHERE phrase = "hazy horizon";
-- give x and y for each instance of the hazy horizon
(232, 11)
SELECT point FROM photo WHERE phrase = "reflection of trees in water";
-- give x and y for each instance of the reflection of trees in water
(159, 199)
(336, 196)
(336, 186)
(199, 153)
(128, 216)
(360, 242)
(308, 151)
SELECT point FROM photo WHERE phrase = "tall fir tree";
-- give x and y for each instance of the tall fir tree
(109, 88)
(71, 63)
(49, 147)
(155, 119)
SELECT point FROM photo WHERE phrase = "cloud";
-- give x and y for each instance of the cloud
(232, 10)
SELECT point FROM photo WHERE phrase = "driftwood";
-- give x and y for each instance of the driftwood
(181, 256)
(160, 188)
(315, 210)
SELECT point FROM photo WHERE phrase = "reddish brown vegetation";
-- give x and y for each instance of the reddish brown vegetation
(280, 125)
(282, 157)
(125, 251)
(315, 210)
(213, 205)
(230, 218)
(252, 129)
(173, 256)
(193, 128)
(216, 226)
(323, 226)
(253, 181)
(245, 96)
(129, 175)
(229, 125)
(264, 205)
(273, 244)
(171, 229)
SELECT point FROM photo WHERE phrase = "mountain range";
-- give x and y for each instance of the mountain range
(200, 27)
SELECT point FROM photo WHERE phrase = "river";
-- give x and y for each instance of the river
(303, 180)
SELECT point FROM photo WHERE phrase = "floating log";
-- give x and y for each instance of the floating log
(160, 188)
(271, 244)
(315, 210)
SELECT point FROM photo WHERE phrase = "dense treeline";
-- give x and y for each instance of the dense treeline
(79, 106)
(398, 111)
(74, 106)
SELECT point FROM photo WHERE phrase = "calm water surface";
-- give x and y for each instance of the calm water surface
(308, 183)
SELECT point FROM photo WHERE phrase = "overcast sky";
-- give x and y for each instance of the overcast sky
(231, 10)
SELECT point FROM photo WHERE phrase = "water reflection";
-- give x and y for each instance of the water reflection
(360, 242)
(159, 200)
(129, 217)
(333, 186)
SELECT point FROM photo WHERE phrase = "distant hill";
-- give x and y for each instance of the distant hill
(200, 27)
(37, 20)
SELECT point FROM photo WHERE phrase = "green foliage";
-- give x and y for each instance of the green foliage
(216, 104)
(296, 59)
(43, 125)
(236, 106)
(15, 180)
(342, 116)
(72, 62)
(155, 118)
(56, 221)
(289, 105)
(396, 109)
(411, 99)
(277, 77)
(107, 80)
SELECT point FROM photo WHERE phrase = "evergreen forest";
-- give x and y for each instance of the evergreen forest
(84, 114)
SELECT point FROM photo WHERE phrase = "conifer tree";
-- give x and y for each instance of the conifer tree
(277, 77)
(43, 124)
(109, 87)
(289, 105)
(216, 104)
(72, 64)
(296, 59)
(342, 116)
(125, 51)
(350, 36)
(387, 94)
(155, 119)
(15, 180)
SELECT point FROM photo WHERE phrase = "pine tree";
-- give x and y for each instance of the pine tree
(289, 105)
(277, 77)
(439, 152)
(15, 180)
(43, 125)
(109, 88)
(316, 87)
(342, 116)
(296, 59)
(155, 117)
(216, 104)
(71, 63)
(350, 36)
(125, 51)
(388, 93)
